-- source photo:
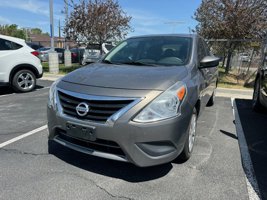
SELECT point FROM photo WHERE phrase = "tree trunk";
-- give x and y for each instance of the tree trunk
(228, 63)
(250, 61)
(223, 59)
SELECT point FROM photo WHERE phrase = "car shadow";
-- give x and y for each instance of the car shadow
(106, 167)
(6, 90)
(229, 134)
(255, 132)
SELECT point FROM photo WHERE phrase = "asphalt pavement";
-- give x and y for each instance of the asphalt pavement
(255, 131)
(28, 171)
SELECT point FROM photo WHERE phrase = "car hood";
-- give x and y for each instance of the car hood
(127, 76)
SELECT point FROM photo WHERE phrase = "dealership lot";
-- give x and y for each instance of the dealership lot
(215, 170)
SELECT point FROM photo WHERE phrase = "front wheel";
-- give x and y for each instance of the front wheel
(191, 136)
(24, 81)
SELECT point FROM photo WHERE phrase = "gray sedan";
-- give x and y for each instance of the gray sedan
(140, 104)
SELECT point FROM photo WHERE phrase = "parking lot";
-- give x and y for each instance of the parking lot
(216, 169)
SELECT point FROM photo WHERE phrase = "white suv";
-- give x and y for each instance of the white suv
(19, 64)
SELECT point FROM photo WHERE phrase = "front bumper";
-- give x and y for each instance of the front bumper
(143, 144)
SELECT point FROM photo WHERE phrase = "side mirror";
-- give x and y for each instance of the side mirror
(209, 61)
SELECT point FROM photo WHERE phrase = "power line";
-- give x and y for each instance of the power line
(174, 24)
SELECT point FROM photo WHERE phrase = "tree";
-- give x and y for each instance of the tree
(232, 19)
(36, 31)
(97, 21)
(12, 30)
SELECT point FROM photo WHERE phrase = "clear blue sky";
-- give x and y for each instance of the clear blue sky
(148, 16)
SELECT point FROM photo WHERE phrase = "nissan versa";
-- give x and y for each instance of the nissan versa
(139, 104)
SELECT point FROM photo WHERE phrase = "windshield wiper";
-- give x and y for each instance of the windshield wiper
(107, 62)
(138, 63)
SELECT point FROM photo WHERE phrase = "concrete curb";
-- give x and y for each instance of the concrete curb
(51, 77)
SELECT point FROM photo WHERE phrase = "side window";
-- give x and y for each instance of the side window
(6, 45)
(15, 46)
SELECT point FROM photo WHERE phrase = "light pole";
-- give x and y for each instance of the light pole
(53, 56)
(51, 25)
(67, 53)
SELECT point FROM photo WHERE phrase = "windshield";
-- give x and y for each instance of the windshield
(156, 51)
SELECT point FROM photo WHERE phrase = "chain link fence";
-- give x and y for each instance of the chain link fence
(241, 57)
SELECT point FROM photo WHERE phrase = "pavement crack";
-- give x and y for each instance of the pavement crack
(112, 195)
(16, 151)
(104, 190)
(98, 186)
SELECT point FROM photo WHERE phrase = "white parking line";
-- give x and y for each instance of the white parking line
(23, 136)
(252, 184)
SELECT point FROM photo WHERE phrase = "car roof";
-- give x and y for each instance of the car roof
(13, 39)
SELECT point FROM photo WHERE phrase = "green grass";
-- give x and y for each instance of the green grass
(231, 80)
(62, 68)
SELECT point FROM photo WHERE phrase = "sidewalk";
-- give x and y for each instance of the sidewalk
(51, 77)
(220, 92)
(234, 93)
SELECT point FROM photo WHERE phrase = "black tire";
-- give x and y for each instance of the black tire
(24, 81)
(256, 104)
(186, 153)
(211, 100)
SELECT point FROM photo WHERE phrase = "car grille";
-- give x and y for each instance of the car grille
(100, 110)
(101, 145)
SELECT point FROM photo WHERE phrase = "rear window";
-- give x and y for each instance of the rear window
(109, 46)
(43, 49)
(6, 45)
(59, 50)
(94, 46)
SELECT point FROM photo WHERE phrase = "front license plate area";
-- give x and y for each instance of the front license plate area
(81, 132)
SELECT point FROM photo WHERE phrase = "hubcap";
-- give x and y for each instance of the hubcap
(25, 81)
(192, 132)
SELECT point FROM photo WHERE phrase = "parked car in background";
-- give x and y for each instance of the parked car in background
(260, 86)
(244, 57)
(140, 104)
(34, 46)
(77, 55)
(60, 52)
(93, 52)
(44, 51)
(19, 63)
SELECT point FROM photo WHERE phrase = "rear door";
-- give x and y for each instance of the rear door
(7, 50)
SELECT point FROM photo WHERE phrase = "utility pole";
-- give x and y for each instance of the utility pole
(59, 29)
(66, 20)
(52, 55)
(67, 53)
(51, 24)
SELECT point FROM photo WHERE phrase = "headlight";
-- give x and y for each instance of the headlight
(164, 106)
(52, 94)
